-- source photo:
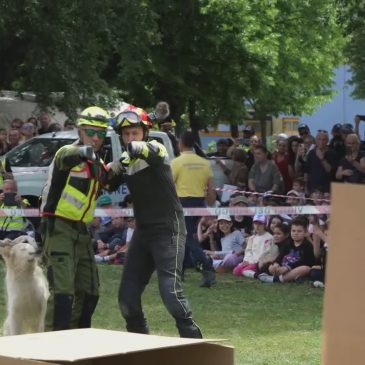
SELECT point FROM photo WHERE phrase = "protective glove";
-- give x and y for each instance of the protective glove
(135, 148)
(116, 167)
(87, 153)
(119, 166)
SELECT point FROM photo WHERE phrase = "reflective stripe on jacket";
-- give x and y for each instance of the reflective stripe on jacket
(78, 198)
(14, 223)
(72, 186)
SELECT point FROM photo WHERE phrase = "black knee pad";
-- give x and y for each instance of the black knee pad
(88, 308)
(62, 311)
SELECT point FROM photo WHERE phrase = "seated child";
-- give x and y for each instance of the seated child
(281, 246)
(111, 240)
(207, 233)
(297, 262)
(320, 247)
(258, 245)
(232, 243)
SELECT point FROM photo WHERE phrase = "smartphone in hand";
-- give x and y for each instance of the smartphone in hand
(9, 199)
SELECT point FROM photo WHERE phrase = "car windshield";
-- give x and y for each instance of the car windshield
(36, 152)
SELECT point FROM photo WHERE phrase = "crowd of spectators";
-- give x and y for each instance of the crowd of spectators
(273, 249)
(285, 247)
(20, 130)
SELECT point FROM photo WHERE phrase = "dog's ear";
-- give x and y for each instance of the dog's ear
(5, 250)
(6, 242)
(5, 247)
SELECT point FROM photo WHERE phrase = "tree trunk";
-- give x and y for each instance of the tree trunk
(234, 130)
(194, 124)
(263, 129)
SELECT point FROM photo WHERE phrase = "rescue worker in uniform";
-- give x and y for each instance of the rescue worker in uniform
(5, 171)
(159, 237)
(12, 226)
(76, 176)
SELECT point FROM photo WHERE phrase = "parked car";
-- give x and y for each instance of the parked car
(30, 161)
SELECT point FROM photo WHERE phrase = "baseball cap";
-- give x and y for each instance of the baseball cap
(302, 126)
(105, 220)
(259, 218)
(347, 128)
(293, 192)
(337, 127)
(224, 217)
(239, 199)
(104, 200)
(248, 128)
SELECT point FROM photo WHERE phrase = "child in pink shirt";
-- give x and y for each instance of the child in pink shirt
(258, 245)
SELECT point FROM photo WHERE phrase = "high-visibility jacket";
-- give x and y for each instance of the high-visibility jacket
(4, 170)
(72, 187)
(12, 223)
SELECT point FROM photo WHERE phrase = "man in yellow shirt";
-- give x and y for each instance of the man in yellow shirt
(193, 178)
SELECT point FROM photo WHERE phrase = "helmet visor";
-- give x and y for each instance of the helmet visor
(128, 119)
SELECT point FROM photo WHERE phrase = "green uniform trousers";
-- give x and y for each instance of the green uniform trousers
(71, 272)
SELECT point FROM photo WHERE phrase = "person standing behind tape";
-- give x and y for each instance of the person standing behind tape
(159, 237)
(165, 123)
(193, 178)
(12, 226)
(75, 178)
(5, 171)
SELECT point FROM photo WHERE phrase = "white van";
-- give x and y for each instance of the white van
(30, 161)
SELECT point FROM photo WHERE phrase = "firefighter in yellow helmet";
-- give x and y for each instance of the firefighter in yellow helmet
(75, 178)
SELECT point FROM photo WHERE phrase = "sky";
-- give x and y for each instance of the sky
(341, 109)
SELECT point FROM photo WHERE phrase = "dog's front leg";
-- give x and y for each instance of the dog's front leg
(12, 326)
(42, 316)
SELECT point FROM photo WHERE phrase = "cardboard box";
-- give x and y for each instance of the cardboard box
(98, 346)
(344, 304)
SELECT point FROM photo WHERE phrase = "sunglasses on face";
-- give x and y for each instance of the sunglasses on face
(91, 132)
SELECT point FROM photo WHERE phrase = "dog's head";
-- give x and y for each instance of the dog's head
(20, 253)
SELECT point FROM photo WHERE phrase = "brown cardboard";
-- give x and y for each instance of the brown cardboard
(344, 304)
(98, 346)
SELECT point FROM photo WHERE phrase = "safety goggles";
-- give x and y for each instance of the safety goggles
(91, 132)
(128, 118)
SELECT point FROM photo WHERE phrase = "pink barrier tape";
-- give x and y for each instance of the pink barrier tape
(250, 211)
(19, 212)
(268, 194)
(198, 212)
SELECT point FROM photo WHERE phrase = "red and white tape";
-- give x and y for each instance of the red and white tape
(269, 194)
(199, 212)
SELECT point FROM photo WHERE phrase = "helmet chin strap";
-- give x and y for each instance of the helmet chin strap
(145, 134)
(80, 139)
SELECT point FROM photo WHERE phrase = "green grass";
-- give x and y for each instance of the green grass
(266, 324)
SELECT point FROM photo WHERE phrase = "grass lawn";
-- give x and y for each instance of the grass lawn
(266, 323)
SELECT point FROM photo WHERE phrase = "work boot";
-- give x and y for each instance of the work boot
(208, 279)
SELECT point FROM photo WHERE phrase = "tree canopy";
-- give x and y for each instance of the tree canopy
(209, 59)
(352, 17)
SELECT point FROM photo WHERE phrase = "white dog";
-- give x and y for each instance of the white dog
(26, 287)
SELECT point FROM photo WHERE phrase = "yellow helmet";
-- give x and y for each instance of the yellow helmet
(93, 116)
